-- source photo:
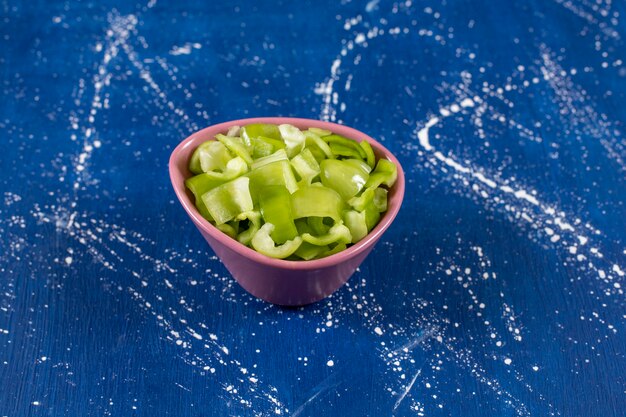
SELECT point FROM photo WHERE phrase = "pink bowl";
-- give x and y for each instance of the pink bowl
(275, 280)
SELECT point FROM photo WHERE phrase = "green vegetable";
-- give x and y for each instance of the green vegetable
(275, 203)
(320, 132)
(199, 185)
(261, 148)
(229, 200)
(355, 221)
(254, 224)
(262, 242)
(337, 234)
(318, 202)
(287, 193)
(306, 166)
(309, 251)
(209, 156)
(339, 143)
(370, 158)
(316, 225)
(236, 146)
(293, 137)
(343, 176)
(273, 169)
(317, 145)
(256, 130)
(384, 173)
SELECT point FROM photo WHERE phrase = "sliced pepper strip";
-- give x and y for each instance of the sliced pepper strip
(262, 242)
(357, 163)
(336, 249)
(209, 156)
(276, 143)
(302, 226)
(345, 142)
(234, 168)
(199, 185)
(309, 251)
(311, 139)
(306, 166)
(228, 229)
(275, 173)
(345, 178)
(228, 200)
(279, 155)
(233, 131)
(317, 201)
(236, 146)
(380, 199)
(317, 225)
(372, 216)
(385, 172)
(339, 233)
(355, 221)
(359, 203)
(370, 158)
(254, 130)
(275, 204)
(254, 218)
(341, 150)
(261, 148)
(320, 132)
(293, 137)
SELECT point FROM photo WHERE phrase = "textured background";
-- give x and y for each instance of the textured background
(497, 291)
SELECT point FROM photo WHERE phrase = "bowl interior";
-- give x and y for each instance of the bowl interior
(179, 171)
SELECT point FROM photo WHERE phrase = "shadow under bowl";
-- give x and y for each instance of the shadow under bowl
(278, 281)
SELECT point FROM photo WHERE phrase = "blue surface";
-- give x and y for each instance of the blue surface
(497, 291)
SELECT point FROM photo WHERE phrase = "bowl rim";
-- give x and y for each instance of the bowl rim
(177, 178)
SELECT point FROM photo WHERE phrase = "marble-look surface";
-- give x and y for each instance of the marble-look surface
(498, 291)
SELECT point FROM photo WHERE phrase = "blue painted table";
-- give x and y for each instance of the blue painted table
(498, 290)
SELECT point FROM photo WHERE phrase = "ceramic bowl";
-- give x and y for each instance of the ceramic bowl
(278, 281)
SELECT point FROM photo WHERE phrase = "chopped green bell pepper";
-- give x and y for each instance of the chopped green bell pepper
(209, 156)
(343, 144)
(360, 202)
(344, 177)
(293, 137)
(228, 200)
(372, 216)
(306, 166)
(254, 224)
(288, 193)
(199, 185)
(336, 249)
(339, 233)
(370, 158)
(320, 132)
(229, 229)
(318, 201)
(256, 130)
(279, 155)
(355, 221)
(309, 251)
(236, 146)
(317, 146)
(275, 203)
(385, 173)
(274, 173)
(262, 242)
(380, 199)
(317, 226)
(261, 148)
